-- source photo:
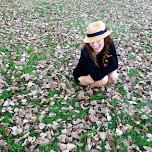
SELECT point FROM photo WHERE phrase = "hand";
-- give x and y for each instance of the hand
(86, 80)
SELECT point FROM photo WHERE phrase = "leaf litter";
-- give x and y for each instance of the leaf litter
(40, 45)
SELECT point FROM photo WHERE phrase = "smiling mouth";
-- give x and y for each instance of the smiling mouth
(96, 48)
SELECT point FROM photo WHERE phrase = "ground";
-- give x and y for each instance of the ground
(42, 108)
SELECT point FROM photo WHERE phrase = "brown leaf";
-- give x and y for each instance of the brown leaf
(94, 119)
(81, 95)
(7, 132)
(19, 130)
(63, 85)
(149, 149)
(62, 138)
(108, 117)
(89, 92)
(54, 85)
(31, 139)
(119, 132)
(83, 108)
(7, 103)
(63, 147)
(42, 125)
(52, 115)
(33, 145)
(107, 146)
(103, 135)
(39, 141)
(64, 131)
(3, 143)
(28, 115)
(93, 102)
(75, 135)
(1, 101)
(77, 121)
(30, 84)
(71, 147)
(77, 104)
(92, 112)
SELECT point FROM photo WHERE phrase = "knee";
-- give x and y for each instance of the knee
(103, 81)
(114, 77)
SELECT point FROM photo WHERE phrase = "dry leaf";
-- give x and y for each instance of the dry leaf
(77, 121)
(149, 149)
(94, 119)
(81, 95)
(108, 117)
(107, 146)
(7, 131)
(89, 92)
(71, 147)
(52, 115)
(93, 102)
(63, 147)
(31, 139)
(75, 135)
(6, 103)
(119, 132)
(103, 135)
(42, 125)
(144, 117)
(30, 84)
(3, 143)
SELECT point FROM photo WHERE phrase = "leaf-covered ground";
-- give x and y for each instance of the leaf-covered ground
(41, 107)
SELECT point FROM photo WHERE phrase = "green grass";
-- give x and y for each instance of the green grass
(132, 57)
(121, 88)
(132, 72)
(142, 104)
(64, 24)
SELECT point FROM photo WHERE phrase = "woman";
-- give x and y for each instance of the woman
(98, 62)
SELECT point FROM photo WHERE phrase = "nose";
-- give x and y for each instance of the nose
(95, 44)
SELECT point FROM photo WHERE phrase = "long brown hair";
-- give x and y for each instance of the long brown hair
(105, 50)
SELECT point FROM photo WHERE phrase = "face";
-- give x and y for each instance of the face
(97, 46)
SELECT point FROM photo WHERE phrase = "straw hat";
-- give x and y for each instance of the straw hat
(97, 31)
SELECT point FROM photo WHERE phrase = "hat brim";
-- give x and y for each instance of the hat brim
(99, 37)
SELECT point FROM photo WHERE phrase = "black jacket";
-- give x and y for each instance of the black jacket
(86, 65)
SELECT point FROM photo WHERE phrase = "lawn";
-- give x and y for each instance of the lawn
(42, 108)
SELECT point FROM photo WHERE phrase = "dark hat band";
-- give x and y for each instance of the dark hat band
(97, 33)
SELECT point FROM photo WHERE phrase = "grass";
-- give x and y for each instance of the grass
(58, 26)
(132, 72)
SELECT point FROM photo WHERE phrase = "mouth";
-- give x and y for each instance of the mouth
(96, 48)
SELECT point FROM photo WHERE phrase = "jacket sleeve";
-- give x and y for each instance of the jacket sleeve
(95, 72)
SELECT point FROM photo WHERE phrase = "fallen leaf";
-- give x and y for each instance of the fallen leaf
(94, 119)
(30, 84)
(71, 147)
(103, 135)
(75, 135)
(93, 102)
(144, 117)
(81, 95)
(149, 149)
(7, 131)
(3, 143)
(63, 147)
(42, 125)
(107, 146)
(118, 132)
